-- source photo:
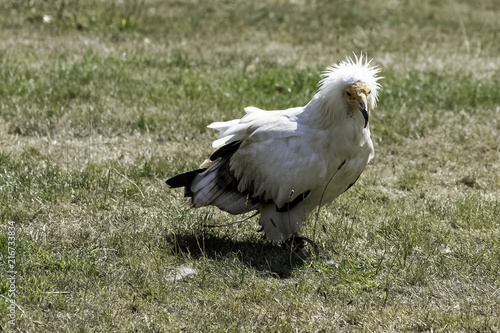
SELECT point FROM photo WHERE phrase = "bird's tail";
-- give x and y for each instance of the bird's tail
(215, 186)
(184, 179)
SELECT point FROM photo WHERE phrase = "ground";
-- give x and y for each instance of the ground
(101, 101)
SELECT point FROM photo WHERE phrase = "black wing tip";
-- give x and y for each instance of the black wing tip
(183, 179)
(226, 150)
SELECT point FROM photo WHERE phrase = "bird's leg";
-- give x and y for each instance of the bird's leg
(299, 245)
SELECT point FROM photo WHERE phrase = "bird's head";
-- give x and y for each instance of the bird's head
(356, 96)
(350, 88)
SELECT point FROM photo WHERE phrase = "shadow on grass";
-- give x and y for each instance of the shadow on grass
(268, 258)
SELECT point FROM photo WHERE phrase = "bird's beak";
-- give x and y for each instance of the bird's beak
(363, 109)
(364, 112)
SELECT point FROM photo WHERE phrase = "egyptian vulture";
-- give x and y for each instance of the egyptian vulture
(285, 163)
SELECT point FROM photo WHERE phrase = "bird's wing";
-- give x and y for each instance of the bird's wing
(277, 159)
(280, 123)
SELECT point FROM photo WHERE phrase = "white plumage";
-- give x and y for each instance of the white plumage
(286, 163)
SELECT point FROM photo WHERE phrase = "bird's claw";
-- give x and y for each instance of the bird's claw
(298, 244)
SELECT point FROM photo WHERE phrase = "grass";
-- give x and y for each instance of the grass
(100, 102)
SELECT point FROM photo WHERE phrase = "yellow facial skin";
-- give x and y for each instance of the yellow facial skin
(356, 95)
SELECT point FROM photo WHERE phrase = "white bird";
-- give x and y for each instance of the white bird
(285, 163)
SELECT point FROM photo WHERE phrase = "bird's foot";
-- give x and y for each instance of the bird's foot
(298, 244)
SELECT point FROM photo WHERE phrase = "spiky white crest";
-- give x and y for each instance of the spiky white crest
(348, 72)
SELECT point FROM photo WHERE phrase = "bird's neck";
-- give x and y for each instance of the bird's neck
(323, 113)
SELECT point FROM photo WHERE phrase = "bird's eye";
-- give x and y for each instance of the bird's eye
(348, 94)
